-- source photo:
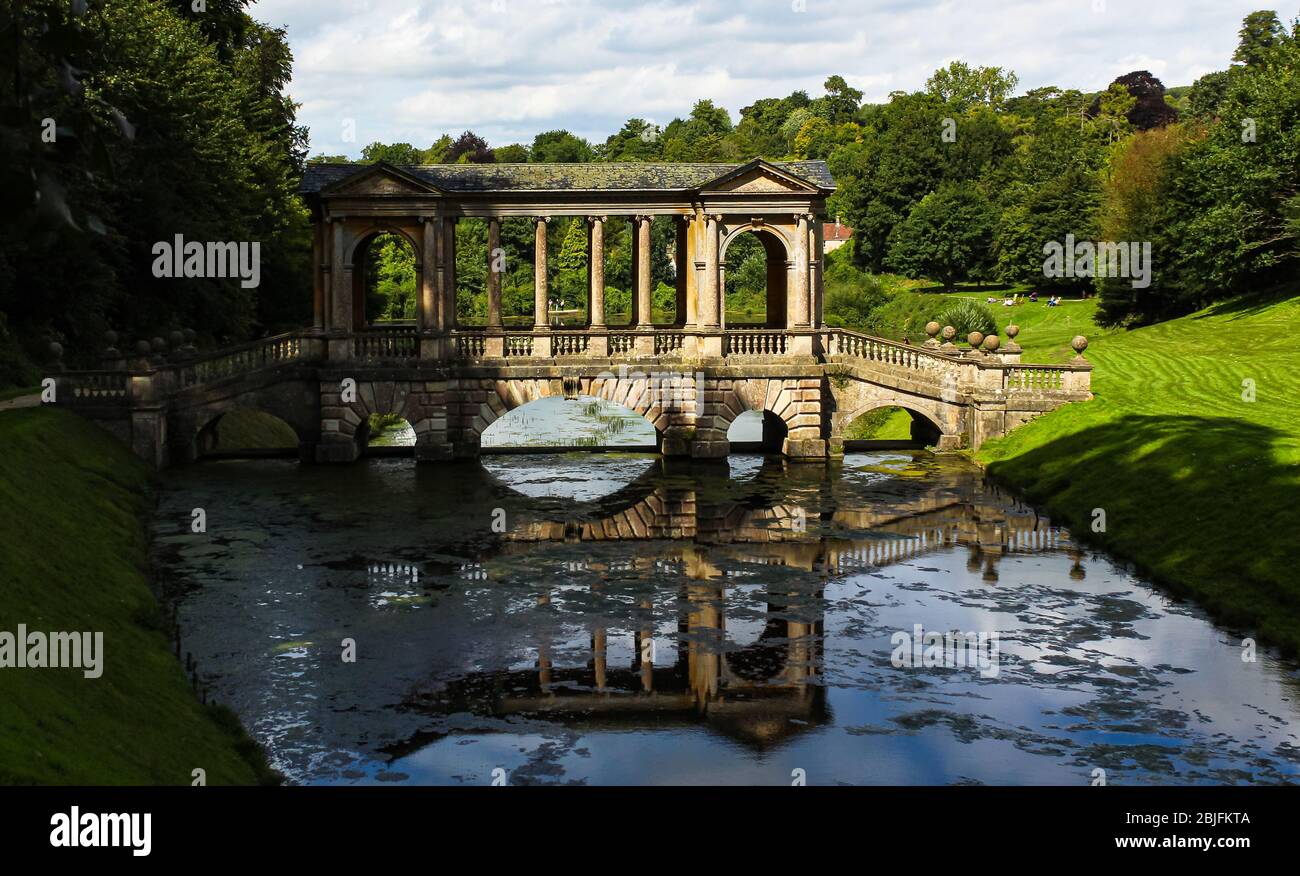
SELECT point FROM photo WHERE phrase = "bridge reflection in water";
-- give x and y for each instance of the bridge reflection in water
(688, 651)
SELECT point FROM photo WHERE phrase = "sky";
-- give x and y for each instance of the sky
(402, 71)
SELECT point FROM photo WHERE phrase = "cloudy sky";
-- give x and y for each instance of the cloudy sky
(404, 71)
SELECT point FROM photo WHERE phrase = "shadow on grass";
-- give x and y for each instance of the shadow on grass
(1201, 506)
(1250, 305)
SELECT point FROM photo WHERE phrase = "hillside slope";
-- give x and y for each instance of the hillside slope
(1200, 485)
(73, 502)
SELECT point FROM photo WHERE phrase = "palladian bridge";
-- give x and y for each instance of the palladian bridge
(689, 379)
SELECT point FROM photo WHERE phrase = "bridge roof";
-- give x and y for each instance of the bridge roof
(592, 177)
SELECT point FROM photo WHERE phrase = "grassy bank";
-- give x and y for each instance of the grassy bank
(1199, 486)
(72, 506)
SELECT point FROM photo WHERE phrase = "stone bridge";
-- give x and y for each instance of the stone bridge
(689, 379)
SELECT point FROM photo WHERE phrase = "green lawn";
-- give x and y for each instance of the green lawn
(73, 502)
(1200, 488)
(247, 429)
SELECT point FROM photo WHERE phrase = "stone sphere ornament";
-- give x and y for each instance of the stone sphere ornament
(975, 339)
(110, 338)
(1080, 343)
(142, 348)
(56, 350)
(932, 328)
(176, 338)
(1012, 331)
(159, 344)
(992, 342)
(949, 333)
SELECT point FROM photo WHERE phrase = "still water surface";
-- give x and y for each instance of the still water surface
(631, 620)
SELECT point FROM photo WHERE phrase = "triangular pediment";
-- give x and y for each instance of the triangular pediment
(759, 177)
(380, 179)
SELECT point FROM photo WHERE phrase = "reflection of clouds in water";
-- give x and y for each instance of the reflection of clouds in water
(581, 477)
(744, 467)
(561, 422)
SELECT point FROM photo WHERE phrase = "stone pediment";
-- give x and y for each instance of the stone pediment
(380, 180)
(759, 177)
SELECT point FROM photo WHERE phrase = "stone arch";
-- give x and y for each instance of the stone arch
(357, 249)
(777, 396)
(923, 409)
(383, 397)
(208, 421)
(293, 402)
(780, 265)
(633, 392)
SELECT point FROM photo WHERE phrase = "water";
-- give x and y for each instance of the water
(644, 622)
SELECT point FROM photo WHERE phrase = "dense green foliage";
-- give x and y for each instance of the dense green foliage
(125, 124)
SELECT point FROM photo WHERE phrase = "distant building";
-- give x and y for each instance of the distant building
(834, 235)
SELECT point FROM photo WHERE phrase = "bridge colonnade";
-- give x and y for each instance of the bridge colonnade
(690, 379)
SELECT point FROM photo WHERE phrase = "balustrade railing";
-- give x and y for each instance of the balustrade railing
(386, 342)
(1036, 378)
(519, 345)
(621, 343)
(846, 343)
(231, 362)
(470, 345)
(754, 343)
(569, 343)
(668, 342)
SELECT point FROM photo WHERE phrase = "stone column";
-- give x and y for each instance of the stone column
(596, 270)
(449, 272)
(493, 275)
(818, 289)
(427, 310)
(709, 304)
(598, 342)
(681, 261)
(340, 294)
(541, 304)
(318, 274)
(645, 318)
(802, 298)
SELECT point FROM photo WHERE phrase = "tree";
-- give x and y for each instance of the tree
(637, 140)
(515, 153)
(559, 147)
(947, 236)
(469, 148)
(1260, 32)
(1148, 108)
(395, 153)
(961, 86)
(841, 101)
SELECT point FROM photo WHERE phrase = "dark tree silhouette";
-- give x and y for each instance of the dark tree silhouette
(1151, 110)
(474, 147)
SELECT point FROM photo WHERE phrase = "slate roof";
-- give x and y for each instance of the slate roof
(624, 177)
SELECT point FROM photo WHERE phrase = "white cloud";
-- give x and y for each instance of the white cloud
(508, 69)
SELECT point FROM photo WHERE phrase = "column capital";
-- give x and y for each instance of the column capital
(540, 219)
(593, 219)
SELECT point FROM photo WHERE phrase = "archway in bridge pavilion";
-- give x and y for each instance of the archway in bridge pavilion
(755, 279)
(384, 277)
